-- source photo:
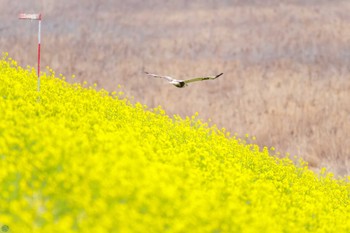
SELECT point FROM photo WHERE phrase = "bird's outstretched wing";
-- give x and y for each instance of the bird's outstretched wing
(202, 78)
(159, 76)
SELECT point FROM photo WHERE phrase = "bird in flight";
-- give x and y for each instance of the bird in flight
(182, 83)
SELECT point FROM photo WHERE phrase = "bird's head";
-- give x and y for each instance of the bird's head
(179, 84)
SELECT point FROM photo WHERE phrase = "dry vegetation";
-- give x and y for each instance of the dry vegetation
(286, 63)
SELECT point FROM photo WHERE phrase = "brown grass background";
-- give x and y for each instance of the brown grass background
(286, 63)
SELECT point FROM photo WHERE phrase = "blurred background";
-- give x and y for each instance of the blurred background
(286, 63)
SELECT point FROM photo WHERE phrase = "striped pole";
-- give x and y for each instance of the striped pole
(35, 17)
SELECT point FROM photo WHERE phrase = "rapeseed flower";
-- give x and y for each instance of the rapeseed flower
(82, 160)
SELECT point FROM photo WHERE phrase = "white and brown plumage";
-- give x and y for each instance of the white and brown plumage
(182, 83)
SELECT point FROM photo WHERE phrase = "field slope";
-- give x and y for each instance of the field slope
(74, 159)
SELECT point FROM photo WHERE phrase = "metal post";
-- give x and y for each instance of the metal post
(35, 17)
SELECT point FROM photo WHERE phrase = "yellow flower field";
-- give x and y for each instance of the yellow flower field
(74, 159)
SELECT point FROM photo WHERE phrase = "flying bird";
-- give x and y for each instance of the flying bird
(182, 83)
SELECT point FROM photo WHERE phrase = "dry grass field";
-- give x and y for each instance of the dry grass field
(286, 63)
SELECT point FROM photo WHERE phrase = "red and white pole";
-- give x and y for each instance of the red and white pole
(35, 17)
